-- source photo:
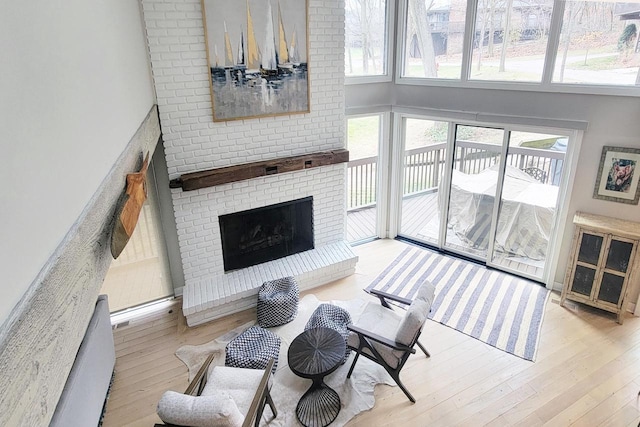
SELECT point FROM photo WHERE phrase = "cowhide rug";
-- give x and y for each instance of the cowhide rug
(356, 393)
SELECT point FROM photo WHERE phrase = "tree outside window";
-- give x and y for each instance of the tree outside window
(598, 41)
(365, 37)
(599, 44)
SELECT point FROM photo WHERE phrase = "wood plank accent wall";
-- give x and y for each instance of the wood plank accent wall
(219, 176)
(40, 339)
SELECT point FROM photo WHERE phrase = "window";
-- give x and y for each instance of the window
(588, 42)
(365, 38)
(141, 273)
(434, 38)
(599, 44)
(363, 141)
(510, 40)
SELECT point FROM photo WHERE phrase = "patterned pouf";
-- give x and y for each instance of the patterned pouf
(252, 349)
(333, 317)
(278, 302)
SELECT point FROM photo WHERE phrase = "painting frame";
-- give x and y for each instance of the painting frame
(618, 175)
(257, 68)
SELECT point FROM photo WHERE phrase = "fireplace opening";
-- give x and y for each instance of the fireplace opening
(259, 235)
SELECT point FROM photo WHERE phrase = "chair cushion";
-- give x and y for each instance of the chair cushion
(241, 384)
(381, 321)
(412, 322)
(217, 410)
(416, 315)
(277, 302)
(426, 292)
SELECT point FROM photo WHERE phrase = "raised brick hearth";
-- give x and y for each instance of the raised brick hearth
(218, 296)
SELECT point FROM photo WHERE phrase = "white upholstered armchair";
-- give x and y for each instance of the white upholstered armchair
(226, 397)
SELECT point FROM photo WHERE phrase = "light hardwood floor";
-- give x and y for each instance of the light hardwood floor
(587, 371)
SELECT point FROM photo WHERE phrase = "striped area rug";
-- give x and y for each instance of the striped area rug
(499, 309)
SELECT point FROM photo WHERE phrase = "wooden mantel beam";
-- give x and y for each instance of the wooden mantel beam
(212, 177)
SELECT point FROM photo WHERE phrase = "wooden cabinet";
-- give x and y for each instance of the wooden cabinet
(603, 262)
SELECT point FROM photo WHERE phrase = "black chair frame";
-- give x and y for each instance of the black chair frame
(366, 338)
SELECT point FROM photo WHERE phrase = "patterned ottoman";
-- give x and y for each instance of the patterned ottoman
(252, 349)
(333, 317)
(278, 302)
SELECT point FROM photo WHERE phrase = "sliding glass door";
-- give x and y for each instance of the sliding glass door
(474, 178)
(528, 202)
(424, 157)
(485, 193)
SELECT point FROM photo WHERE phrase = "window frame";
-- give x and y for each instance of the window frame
(546, 84)
(382, 173)
(387, 75)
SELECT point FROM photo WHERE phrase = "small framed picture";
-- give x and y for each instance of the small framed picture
(618, 175)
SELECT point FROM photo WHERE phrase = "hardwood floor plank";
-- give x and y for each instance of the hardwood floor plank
(602, 385)
(629, 415)
(585, 372)
(612, 401)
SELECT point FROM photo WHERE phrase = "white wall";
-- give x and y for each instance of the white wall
(612, 120)
(75, 86)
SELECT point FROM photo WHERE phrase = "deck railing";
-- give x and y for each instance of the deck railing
(423, 167)
(362, 182)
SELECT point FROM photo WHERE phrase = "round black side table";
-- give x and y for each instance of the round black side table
(314, 354)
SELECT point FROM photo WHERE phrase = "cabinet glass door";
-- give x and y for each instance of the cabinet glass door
(619, 255)
(611, 288)
(590, 247)
(583, 279)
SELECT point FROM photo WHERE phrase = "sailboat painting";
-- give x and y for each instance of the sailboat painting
(257, 56)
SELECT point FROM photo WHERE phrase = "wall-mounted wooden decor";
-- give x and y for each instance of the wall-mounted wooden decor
(128, 208)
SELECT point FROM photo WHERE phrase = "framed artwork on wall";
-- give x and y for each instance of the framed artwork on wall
(618, 175)
(257, 52)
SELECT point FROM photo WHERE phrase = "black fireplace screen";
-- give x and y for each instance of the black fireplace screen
(264, 234)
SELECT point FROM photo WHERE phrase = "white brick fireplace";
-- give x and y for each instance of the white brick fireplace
(193, 142)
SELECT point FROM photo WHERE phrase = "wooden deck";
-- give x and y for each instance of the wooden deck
(420, 221)
(416, 212)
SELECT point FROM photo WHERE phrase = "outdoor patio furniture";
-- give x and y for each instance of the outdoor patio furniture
(528, 204)
(536, 173)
